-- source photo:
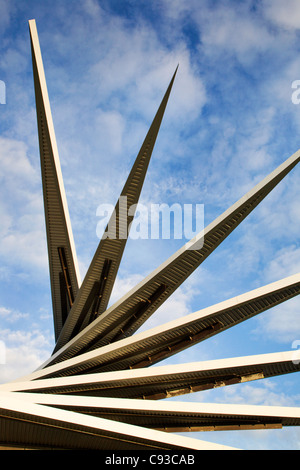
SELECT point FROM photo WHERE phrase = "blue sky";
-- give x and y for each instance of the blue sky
(230, 121)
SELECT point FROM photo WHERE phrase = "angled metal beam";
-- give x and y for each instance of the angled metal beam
(124, 317)
(152, 346)
(172, 416)
(229, 417)
(63, 266)
(95, 291)
(32, 425)
(159, 382)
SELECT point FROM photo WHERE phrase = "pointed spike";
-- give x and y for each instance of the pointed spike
(33, 426)
(63, 266)
(165, 381)
(169, 416)
(110, 250)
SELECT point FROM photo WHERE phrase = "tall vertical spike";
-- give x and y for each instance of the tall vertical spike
(64, 272)
(94, 294)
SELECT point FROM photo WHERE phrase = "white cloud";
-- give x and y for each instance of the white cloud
(27, 249)
(176, 9)
(5, 14)
(14, 162)
(285, 14)
(225, 28)
(286, 263)
(232, 29)
(22, 225)
(281, 324)
(11, 316)
(113, 67)
(13, 59)
(124, 285)
(92, 7)
(110, 125)
(264, 393)
(25, 351)
(177, 306)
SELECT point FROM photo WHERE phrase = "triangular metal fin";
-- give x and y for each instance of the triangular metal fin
(64, 271)
(93, 297)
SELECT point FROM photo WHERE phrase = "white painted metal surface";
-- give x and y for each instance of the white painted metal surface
(165, 415)
(58, 224)
(48, 427)
(165, 381)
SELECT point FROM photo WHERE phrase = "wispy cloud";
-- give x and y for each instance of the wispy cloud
(24, 352)
(286, 16)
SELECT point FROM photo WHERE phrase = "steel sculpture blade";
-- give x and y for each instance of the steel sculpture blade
(32, 425)
(63, 265)
(94, 294)
(159, 382)
(170, 416)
